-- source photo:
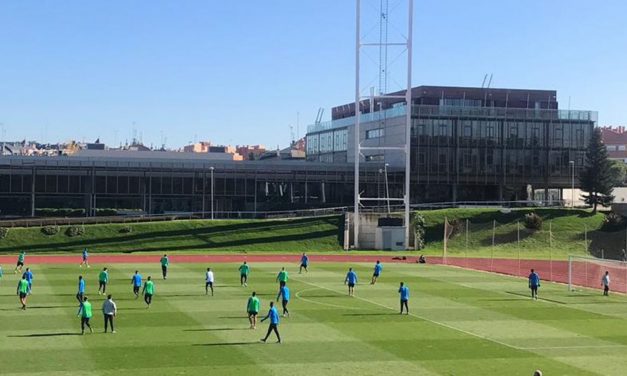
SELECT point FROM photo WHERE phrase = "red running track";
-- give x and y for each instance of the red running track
(588, 275)
(139, 259)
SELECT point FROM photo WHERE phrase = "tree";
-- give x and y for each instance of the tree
(596, 178)
(618, 170)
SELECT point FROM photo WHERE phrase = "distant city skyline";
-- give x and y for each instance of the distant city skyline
(240, 72)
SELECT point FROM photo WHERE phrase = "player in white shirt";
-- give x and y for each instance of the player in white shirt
(605, 282)
(209, 282)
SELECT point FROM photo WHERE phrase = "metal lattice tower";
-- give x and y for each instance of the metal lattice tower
(382, 46)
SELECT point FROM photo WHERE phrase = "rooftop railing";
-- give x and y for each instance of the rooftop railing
(364, 118)
(461, 111)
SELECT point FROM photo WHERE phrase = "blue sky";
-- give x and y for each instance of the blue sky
(238, 72)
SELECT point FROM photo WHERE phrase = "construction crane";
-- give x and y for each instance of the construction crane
(319, 115)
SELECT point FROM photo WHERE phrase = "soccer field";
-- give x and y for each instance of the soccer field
(460, 323)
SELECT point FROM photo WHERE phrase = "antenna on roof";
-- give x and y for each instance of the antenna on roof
(484, 80)
(485, 95)
(297, 124)
(319, 115)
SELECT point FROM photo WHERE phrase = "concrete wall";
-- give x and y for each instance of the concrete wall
(370, 235)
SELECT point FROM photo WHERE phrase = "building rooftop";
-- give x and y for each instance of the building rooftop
(614, 135)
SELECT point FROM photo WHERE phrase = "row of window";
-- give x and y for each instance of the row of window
(461, 102)
(517, 133)
(615, 147)
(374, 133)
(332, 141)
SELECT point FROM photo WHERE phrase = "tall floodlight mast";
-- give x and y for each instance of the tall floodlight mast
(383, 75)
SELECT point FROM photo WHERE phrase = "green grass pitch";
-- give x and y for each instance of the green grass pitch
(461, 323)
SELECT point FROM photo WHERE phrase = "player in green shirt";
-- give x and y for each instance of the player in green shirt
(282, 277)
(165, 262)
(103, 279)
(1, 272)
(20, 262)
(148, 291)
(252, 308)
(84, 312)
(244, 270)
(22, 291)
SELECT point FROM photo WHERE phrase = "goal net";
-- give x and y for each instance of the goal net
(588, 272)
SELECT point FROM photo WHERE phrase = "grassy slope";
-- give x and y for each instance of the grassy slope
(567, 228)
(187, 236)
(324, 235)
(462, 323)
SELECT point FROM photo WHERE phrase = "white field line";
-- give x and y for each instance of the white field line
(462, 330)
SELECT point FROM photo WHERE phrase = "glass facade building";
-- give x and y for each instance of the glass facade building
(469, 144)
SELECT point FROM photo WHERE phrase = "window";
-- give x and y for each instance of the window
(535, 132)
(490, 131)
(579, 138)
(419, 129)
(467, 159)
(460, 102)
(339, 140)
(557, 135)
(467, 130)
(489, 157)
(312, 144)
(513, 131)
(621, 147)
(374, 133)
(536, 158)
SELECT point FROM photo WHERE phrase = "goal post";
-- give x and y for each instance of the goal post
(584, 271)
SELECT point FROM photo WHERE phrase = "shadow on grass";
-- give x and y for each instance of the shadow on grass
(46, 335)
(509, 237)
(371, 314)
(212, 329)
(227, 344)
(38, 307)
(133, 309)
(434, 231)
(528, 296)
(202, 234)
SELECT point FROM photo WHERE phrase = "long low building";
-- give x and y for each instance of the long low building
(178, 183)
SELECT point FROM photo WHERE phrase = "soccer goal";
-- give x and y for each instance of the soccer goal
(588, 271)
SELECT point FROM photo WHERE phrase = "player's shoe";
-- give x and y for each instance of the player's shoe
(263, 340)
(91, 330)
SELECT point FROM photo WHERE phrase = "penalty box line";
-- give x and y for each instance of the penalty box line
(461, 330)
